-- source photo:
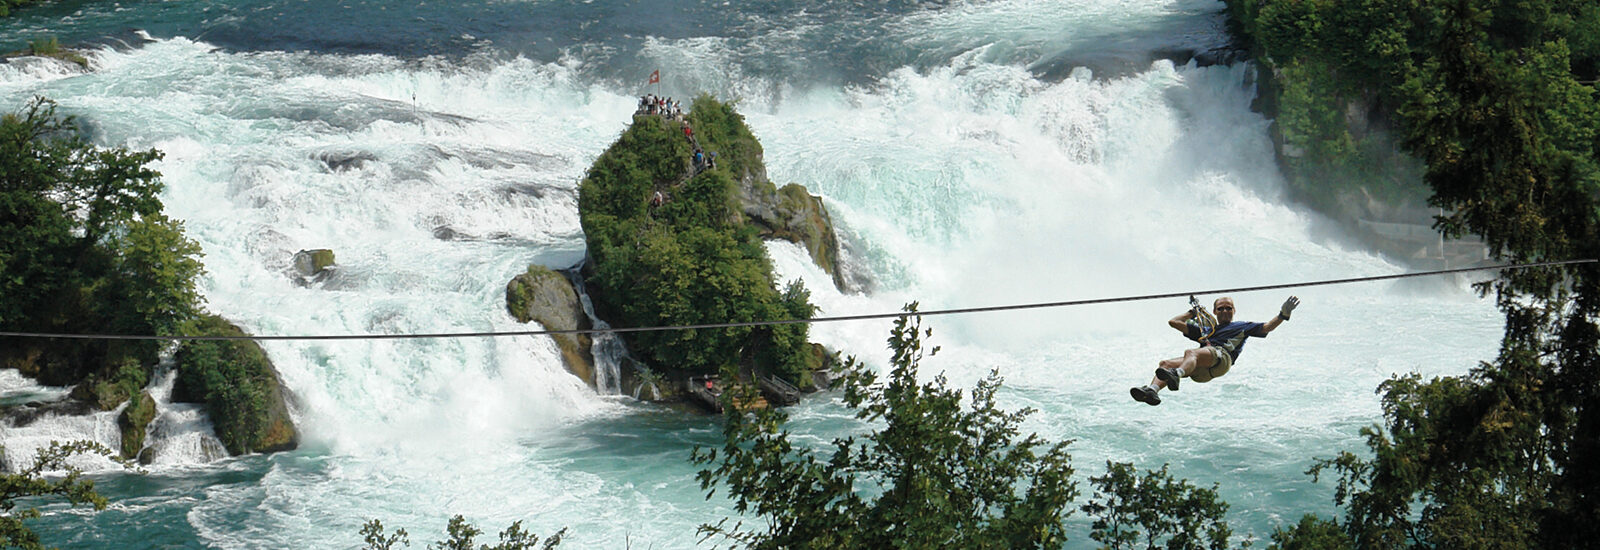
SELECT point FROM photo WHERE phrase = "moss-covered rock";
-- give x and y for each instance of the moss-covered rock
(50, 48)
(107, 390)
(313, 263)
(547, 297)
(670, 244)
(239, 387)
(133, 421)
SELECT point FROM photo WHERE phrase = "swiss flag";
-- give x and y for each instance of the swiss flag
(655, 76)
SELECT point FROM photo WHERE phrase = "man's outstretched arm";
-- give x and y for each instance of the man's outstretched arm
(1283, 315)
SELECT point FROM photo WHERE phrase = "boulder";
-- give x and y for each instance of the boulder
(240, 388)
(546, 296)
(313, 263)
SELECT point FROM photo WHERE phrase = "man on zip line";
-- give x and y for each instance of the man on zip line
(1221, 340)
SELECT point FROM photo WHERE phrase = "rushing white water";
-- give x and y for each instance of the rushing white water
(970, 183)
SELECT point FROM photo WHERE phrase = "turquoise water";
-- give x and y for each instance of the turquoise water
(966, 155)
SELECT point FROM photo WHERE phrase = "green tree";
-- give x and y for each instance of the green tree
(84, 247)
(32, 482)
(931, 476)
(1312, 533)
(461, 536)
(1157, 509)
(1498, 99)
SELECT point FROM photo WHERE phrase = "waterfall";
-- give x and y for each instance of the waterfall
(180, 433)
(608, 349)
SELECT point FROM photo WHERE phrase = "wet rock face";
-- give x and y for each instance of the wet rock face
(793, 214)
(341, 161)
(547, 297)
(313, 266)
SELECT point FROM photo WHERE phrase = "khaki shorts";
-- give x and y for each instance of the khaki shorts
(1216, 370)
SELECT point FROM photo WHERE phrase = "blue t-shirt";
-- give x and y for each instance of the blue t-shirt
(1229, 337)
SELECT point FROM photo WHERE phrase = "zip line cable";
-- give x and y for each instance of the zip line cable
(1038, 305)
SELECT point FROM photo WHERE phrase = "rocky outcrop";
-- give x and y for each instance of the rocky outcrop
(133, 421)
(1378, 196)
(547, 297)
(792, 214)
(240, 388)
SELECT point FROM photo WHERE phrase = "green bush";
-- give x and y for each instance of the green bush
(232, 378)
(719, 128)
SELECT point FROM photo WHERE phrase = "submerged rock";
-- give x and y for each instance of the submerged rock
(313, 263)
(313, 266)
(341, 161)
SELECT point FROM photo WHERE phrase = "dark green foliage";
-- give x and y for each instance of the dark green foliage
(85, 248)
(1498, 99)
(232, 378)
(372, 533)
(1312, 533)
(32, 483)
(932, 476)
(461, 536)
(1155, 511)
(721, 129)
(691, 259)
(6, 5)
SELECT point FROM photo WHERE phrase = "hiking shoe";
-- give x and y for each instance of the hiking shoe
(1170, 376)
(1145, 394)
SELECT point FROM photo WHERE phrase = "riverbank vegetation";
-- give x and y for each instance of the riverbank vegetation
(1497, 101)
(86, 249)
(1362, 93)
(940, 469)
(7, 5)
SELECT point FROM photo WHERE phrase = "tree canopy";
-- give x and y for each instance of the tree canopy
(85, 248)
(1498, 100)
(939, 468)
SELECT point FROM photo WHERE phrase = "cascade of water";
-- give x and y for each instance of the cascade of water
(180, 433)
(608, 349)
